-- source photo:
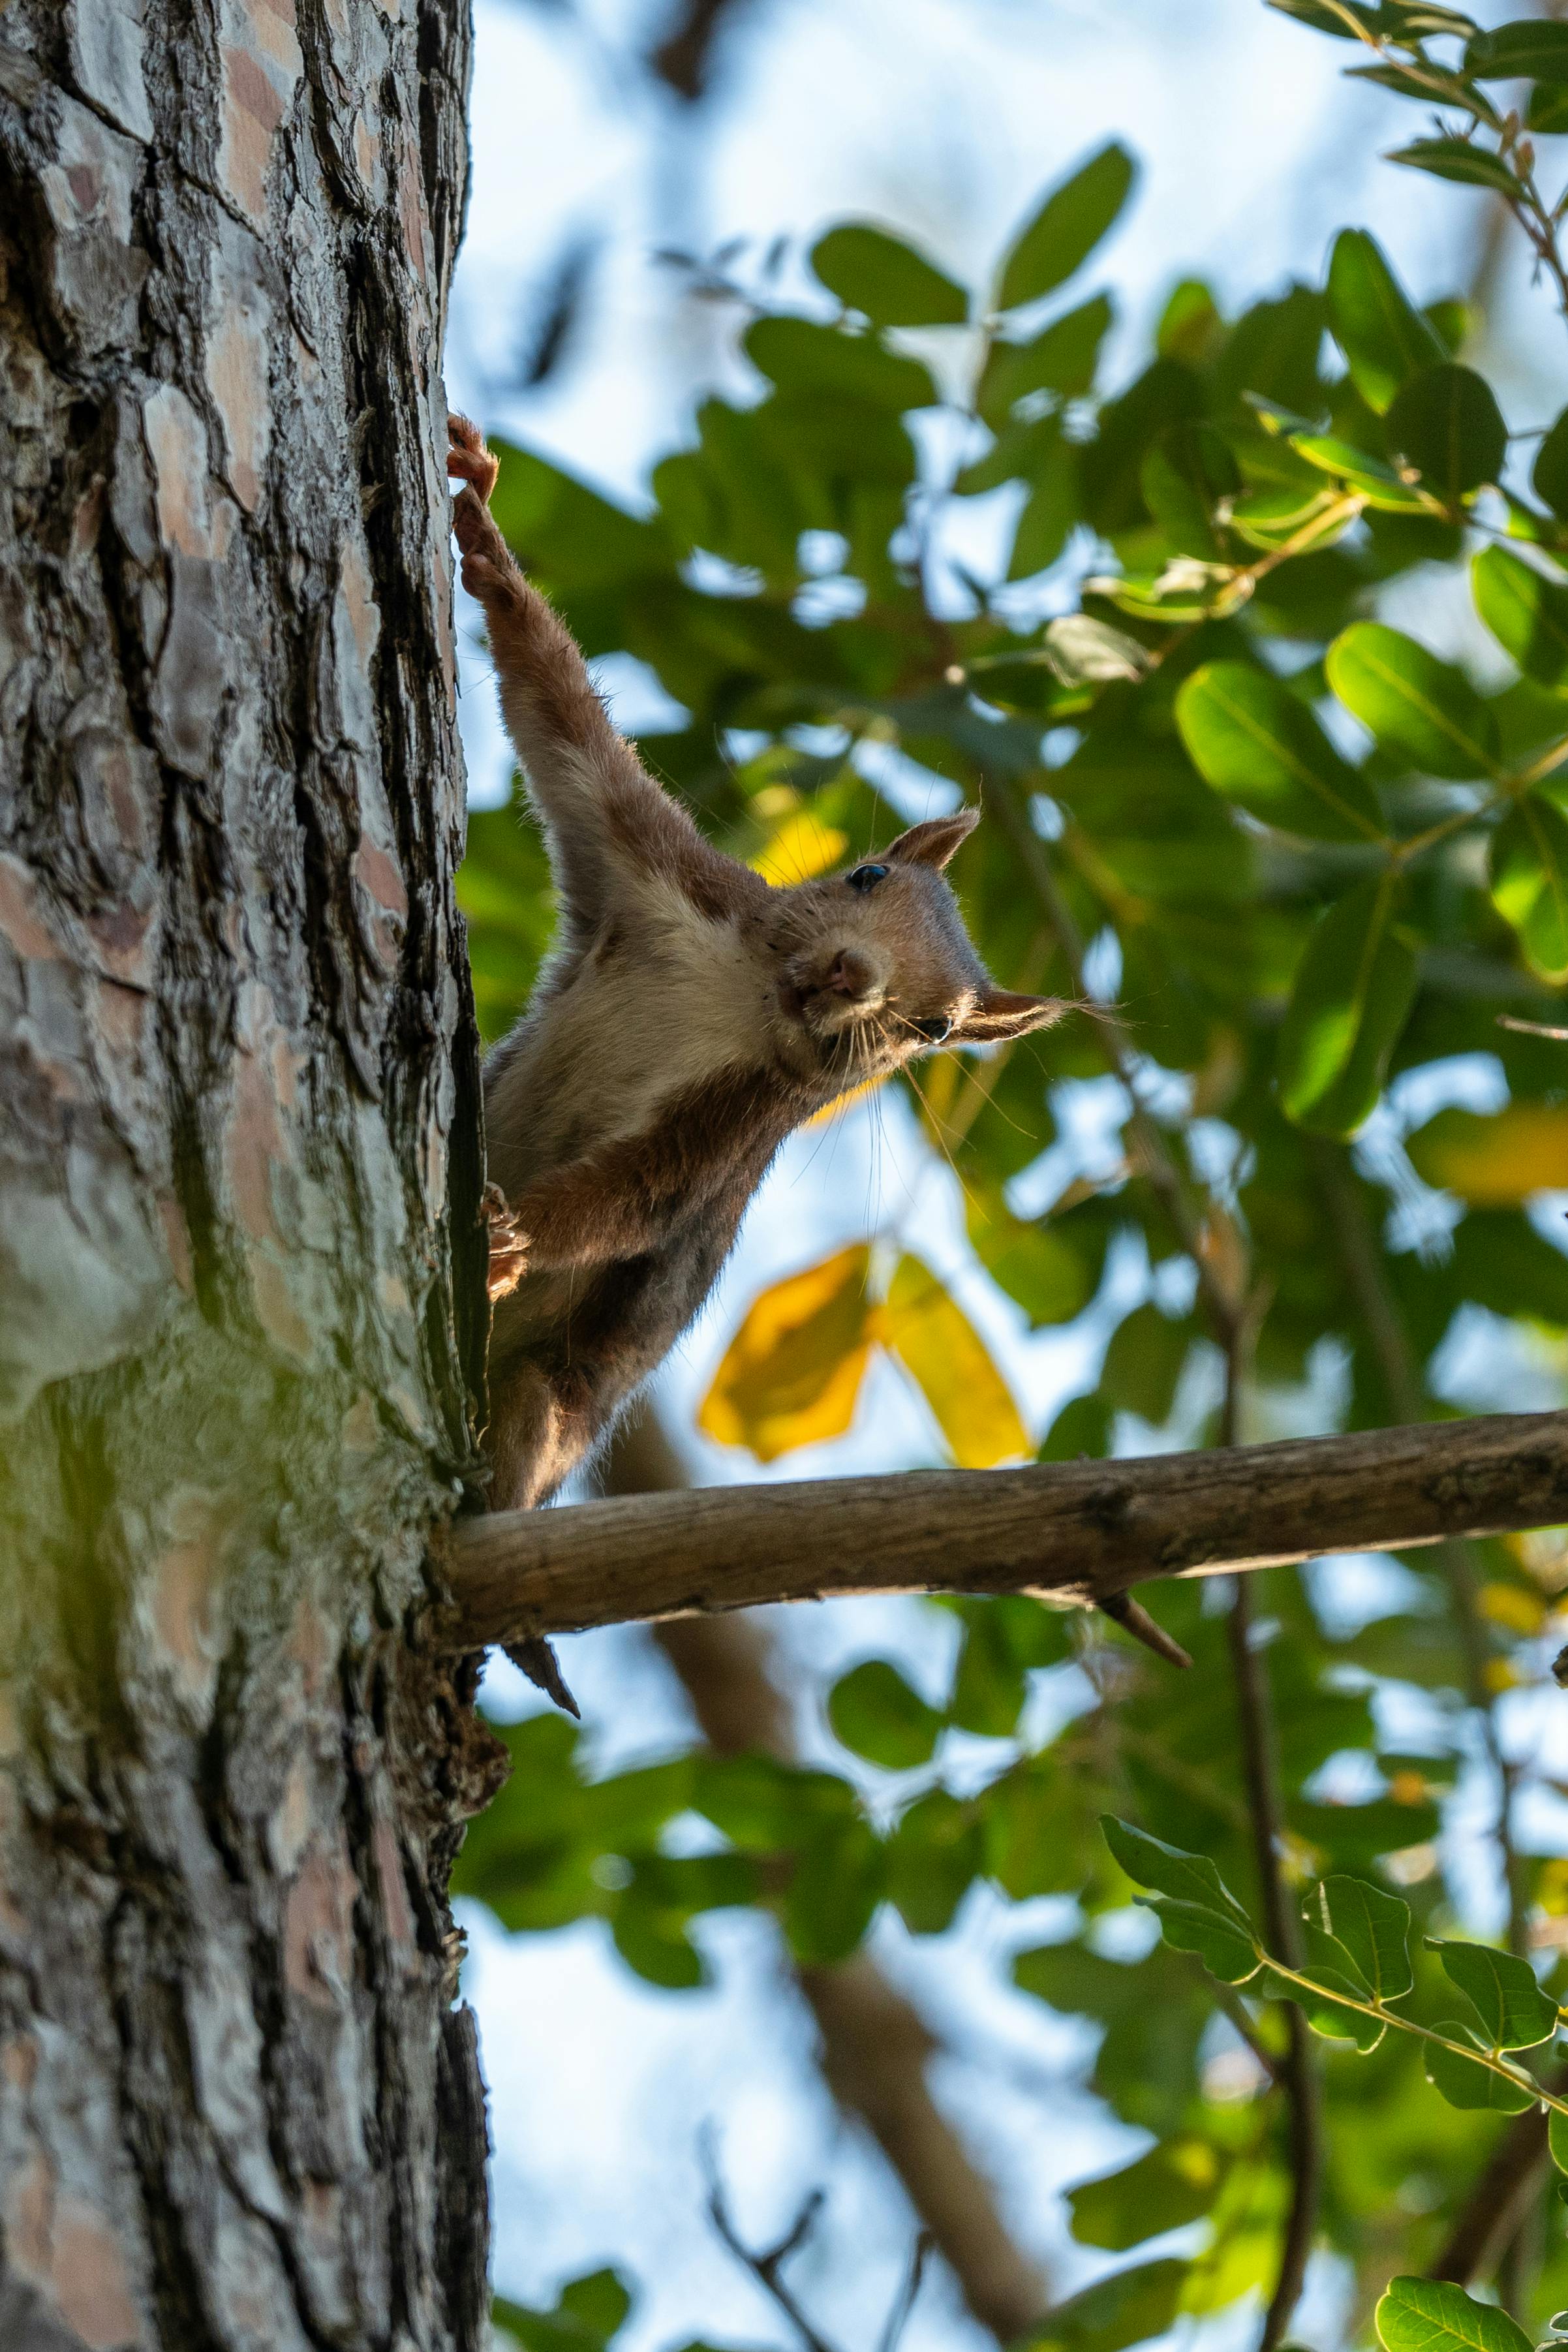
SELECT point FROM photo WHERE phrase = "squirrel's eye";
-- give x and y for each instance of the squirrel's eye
(866, 878)
(937, 1030)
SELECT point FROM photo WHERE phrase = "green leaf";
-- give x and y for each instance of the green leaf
(874, 1711)
(1527, 612)
(1049, 514)
(934, 1857)
(1329, 2017)
(1144, 1363)
(1557, 2138)
(1421, 2314)
(1060, 359)
(1514, 2011)
(656, 1947)
(1258, 744)
(1458, 159)
(799, 355)
(1368, 1929)
(1446, 423)
(1067, 226)
(1033, 1261)
(588, 2312)
(1528, 878)
(1184, 477)
(1383, 337)
(1547, 112)
(1189, 1878)
(1378, 484)
(1128, 2308)
(1421, 709)
(1226, 1950)
(1353, 991)
(1175, 2183)
(1530, 47)
(1549, 475)
(1340, 24)
(1466, 2082)
(834, 1888)
(887, 279)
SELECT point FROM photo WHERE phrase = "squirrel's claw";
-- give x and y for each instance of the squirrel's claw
(508, 1244)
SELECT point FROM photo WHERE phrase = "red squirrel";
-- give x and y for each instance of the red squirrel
(690, 1017)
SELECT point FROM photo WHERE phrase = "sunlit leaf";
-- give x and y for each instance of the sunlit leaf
(1529, 869)
(1368, 1929)
(1383, 337)
(1515, 2013)
(1353, 989)
(1175, 2183)
(1169, 1870)
(1226, 1950)
(1498, 1160)
(1467, 2082)
(1421, 2314)
(944, 1354)
(881, 276)
(1258, 744)
(791, 1374)
(1421, 709)
(799, 847)
(1067, 226)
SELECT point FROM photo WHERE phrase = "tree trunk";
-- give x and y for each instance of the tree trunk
(239, 1167)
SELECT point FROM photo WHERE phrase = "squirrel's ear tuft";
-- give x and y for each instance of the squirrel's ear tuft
(933, 843)
(1001, 1015)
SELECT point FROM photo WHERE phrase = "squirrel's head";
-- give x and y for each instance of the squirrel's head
(874, 966)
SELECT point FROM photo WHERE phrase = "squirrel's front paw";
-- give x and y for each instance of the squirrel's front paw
(469, 459)
(508, 1244)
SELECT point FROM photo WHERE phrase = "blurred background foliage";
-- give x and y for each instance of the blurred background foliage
(1312, 877)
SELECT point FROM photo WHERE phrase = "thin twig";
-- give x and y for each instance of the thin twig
(898, 2317)
(764, 2267)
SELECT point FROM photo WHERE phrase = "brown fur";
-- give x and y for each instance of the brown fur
(690, 1017)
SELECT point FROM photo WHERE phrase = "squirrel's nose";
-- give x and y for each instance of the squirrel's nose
(852, 975)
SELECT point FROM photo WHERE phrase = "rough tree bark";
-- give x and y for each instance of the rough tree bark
(239, 1164)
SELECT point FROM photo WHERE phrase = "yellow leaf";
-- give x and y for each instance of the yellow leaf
(1495, 1162)
(829, 1111)
(947, 1360)
(802, 845)
(1512, 1606)
(792, 1372)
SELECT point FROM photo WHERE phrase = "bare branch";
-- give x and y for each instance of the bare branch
(1077, 1530)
